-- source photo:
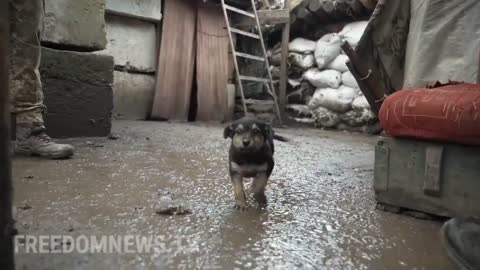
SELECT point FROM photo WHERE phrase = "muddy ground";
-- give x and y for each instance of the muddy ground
(321, 212)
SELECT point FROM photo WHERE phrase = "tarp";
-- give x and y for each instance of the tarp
(443, 42)
(416, 43)
(382, 46)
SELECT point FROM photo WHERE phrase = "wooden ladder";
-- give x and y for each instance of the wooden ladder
(268, 82)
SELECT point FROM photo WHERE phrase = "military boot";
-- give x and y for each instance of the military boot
(461, 238)
(32, 139)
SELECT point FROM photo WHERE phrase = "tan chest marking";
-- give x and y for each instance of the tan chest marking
(249, 169)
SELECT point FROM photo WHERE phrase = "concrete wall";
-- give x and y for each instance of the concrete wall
(141, 9)
(133, 95)
(75, 24)
(133, 44)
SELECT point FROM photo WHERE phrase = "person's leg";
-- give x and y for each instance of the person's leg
(25, 86)
(461, 238)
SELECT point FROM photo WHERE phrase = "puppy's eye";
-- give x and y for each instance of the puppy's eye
(256, 131)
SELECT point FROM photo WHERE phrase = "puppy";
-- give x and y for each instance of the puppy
(251, 156)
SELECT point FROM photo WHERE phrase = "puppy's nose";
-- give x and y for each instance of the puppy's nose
(246, 142)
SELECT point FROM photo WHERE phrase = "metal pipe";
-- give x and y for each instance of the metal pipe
(6, 220)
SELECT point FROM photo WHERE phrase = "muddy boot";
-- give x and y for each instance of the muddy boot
(461, 238)
(33, 140)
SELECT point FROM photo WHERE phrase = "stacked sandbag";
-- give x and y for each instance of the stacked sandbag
(333, 99)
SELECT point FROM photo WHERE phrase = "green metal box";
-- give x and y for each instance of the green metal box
(435, 178)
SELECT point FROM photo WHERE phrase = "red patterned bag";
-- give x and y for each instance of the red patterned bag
(449, 113)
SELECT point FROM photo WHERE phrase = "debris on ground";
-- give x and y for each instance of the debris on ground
(113, 137)
(92, 144)
(168, 206)
(25, 206)
(173, 210)
(70, 228)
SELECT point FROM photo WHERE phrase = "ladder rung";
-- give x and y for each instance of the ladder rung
(245, 33)
(249, 56)
(237, 10)
(255, 79)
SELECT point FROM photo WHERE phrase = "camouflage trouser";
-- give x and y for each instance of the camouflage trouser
(26, 93)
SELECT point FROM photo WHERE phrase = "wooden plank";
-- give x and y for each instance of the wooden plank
(230, 102)
(231, 64)
(254, 79)
(265, 17)
(244, 33)
(382, 156)
(282, 95)
(365, 77)
(240, 11)
(478, 68)
(6, 220)
(212, 63)
(433, 170)
(176, 61)
(250, 56)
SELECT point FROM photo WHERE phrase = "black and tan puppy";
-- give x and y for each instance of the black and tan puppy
(250, 156)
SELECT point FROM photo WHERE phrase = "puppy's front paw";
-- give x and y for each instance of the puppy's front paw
(261, 199)
(241, 206)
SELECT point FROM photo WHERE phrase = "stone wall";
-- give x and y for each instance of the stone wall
(77, 82)
(98, 36)
(75, 24)
(78, 93)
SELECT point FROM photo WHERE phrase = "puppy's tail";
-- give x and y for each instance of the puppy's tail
(280, 138)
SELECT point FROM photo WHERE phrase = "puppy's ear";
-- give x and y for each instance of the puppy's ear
(228, 132)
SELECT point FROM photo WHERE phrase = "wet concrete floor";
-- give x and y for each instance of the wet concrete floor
(321, 212)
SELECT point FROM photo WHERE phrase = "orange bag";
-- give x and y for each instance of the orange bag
(449, 113)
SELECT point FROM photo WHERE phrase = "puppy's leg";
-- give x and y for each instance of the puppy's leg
(240, 200)
(258, 188)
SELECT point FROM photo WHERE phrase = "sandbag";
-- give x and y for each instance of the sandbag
(448, 113)
(304, 120)
(360, 103)
(275, 59)
(294, 83)
(325, 118)
(339, 63)
(349, 80)
(301, 45)
(358, 118)
(327, 49)
(325, 78)
(352, 32)
(337, 100)
(304, 61)
(344, 127)
(299, 110)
